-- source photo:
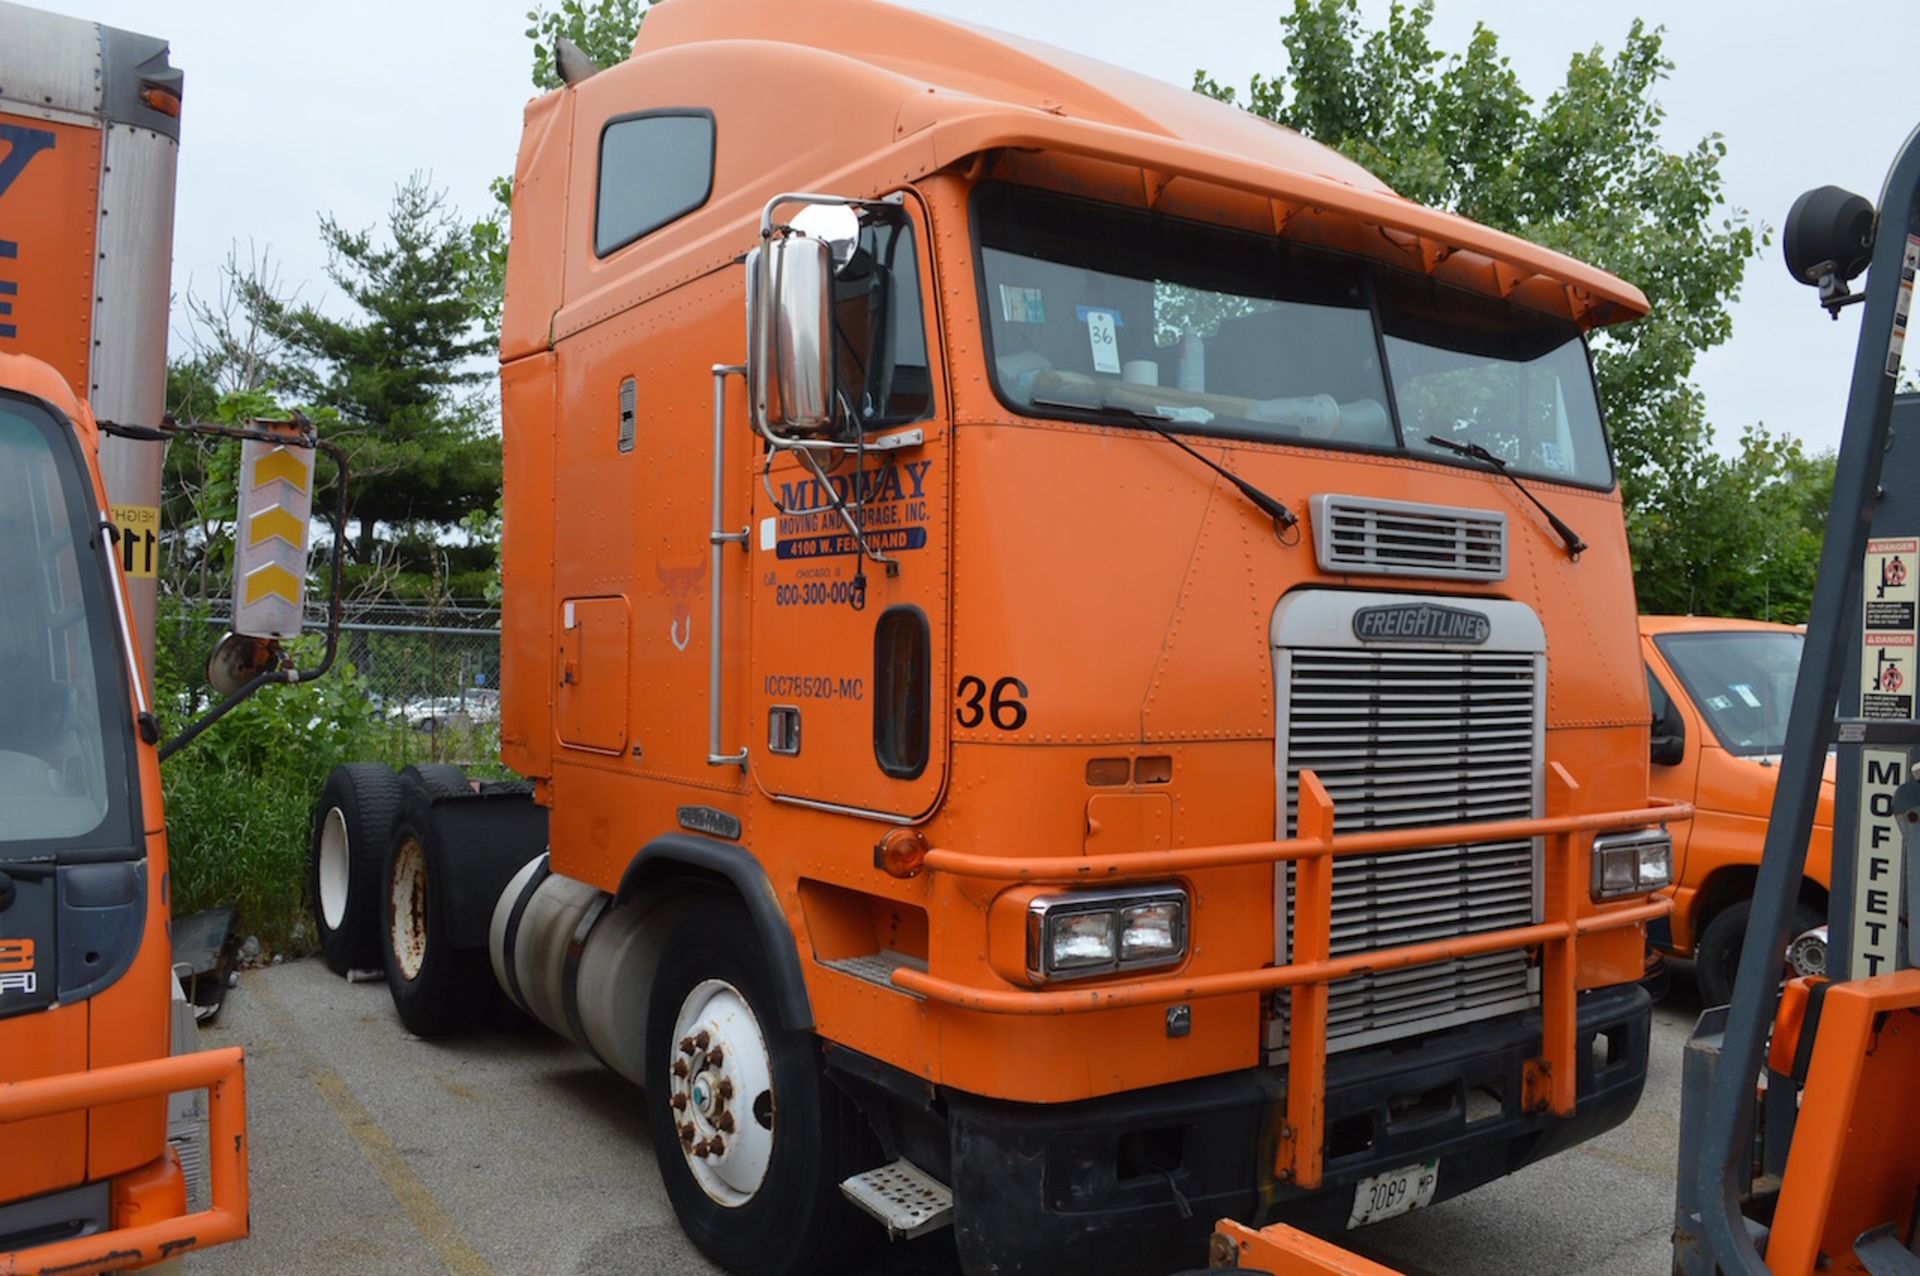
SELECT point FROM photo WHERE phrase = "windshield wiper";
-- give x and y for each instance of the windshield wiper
(1473, 451)
(1283, 518)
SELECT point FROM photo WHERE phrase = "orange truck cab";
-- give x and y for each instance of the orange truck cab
(1065, 722)
(88, 1180)
(1720, 691)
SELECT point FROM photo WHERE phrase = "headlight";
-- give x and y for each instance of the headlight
(1080, 933)
(1636, 863)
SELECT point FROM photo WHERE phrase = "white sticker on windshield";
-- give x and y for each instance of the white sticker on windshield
(1553, 458)
(1104, 339)
(1022, 305)
(1719, 702)
(1745, 692)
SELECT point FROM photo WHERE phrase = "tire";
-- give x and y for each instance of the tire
(790, 1219)
(352, 824)
(437, 989)
(1716, 955)
(438, 778)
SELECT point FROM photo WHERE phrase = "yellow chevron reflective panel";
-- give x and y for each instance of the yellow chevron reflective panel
(272, 581)
(274, 521)
(296, 470)
(270, 550)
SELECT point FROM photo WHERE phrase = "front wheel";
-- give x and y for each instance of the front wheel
(1716, 956)
(751, 1138)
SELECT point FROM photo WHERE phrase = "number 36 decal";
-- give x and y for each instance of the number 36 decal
(1006, 704)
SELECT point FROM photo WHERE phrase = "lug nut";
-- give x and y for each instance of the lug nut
(686, 1045)
(700, 1148)
(715, 1057)
(686, 1132)
(680, 1069)
(725, 1122)
(678, 1102)
(700, 1040)
(726, 1088)
(715, 1146)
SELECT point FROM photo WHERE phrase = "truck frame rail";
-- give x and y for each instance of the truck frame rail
(222, 1074)
(1550, 1079)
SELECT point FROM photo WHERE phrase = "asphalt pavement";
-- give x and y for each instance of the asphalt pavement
(510, 1151)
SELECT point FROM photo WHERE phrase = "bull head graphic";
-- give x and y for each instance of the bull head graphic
(680, 585)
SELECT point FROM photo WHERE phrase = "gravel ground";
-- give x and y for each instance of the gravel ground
(517, 1153)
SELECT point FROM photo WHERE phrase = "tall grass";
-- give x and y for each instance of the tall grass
(238, 797)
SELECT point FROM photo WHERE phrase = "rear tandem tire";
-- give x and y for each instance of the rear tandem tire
(790, 1219)
(352, 824)
(437, 989)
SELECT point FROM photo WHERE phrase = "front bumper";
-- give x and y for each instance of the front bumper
(1134, 1182)
(77, 1245)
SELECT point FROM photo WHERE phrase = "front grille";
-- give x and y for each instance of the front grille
(1356, 534)
(1407, 738)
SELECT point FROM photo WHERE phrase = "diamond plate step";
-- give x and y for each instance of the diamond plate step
(907, 1200)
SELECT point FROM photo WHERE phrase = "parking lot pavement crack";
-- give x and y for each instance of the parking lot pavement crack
(413, 1197)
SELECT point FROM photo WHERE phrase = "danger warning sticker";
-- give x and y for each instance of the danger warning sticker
(1891, 608)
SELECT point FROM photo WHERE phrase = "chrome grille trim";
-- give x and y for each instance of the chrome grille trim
(1406, 737)
(1371, 536)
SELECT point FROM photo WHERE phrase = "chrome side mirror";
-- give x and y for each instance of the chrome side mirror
(790, 336)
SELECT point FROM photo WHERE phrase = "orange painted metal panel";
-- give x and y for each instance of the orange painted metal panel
(49, 196)
(143, 1240)
(1855, 1159)
(1287, 1251)
(593, 658)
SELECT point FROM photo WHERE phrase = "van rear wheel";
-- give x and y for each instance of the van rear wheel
(352, 823)
(751, 1137)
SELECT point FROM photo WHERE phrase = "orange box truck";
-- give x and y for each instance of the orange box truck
(1073, 657)
(89, 1179)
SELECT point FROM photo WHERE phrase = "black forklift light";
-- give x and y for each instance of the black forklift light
(1828, 238)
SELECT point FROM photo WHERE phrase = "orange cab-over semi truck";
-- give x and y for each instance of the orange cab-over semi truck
(1032, 610)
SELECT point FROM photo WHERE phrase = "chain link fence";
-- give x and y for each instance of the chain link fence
(430, 676)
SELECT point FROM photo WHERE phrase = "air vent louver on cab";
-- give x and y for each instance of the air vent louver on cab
(1362, 535)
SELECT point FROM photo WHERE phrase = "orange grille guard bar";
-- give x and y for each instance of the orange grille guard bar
(1548, 1081)
(1149, 991)
(222, 1073)
(1141, 864)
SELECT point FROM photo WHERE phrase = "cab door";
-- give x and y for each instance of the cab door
(848, 651)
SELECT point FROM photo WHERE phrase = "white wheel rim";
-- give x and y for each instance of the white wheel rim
(409, 893)
(720, 1092)
(336, 861)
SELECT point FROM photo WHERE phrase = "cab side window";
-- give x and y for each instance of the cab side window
(880, 346)
(1669, 743)
(655, 167)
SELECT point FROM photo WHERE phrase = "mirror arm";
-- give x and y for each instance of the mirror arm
(337, 575)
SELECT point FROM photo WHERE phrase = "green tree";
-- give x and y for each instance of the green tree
(1584, 172)
(604, 30)
(1740, 535)
(406, 373)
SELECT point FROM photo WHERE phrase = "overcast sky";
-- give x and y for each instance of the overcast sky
(298, 107)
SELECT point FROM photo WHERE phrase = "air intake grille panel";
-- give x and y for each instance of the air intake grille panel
(1407, 738)
(1366, 535)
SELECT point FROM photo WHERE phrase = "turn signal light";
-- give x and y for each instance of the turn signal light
(901, 853)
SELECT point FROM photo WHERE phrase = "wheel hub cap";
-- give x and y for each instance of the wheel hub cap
(720, 1092)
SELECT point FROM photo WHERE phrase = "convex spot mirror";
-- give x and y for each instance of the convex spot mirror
(237, 659)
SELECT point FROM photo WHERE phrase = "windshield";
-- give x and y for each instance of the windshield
(1112, 310)
(1741, 681)
(58, 779)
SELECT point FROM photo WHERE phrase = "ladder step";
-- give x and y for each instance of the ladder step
(906, 1200)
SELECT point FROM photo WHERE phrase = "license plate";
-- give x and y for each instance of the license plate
(1394, 1193)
